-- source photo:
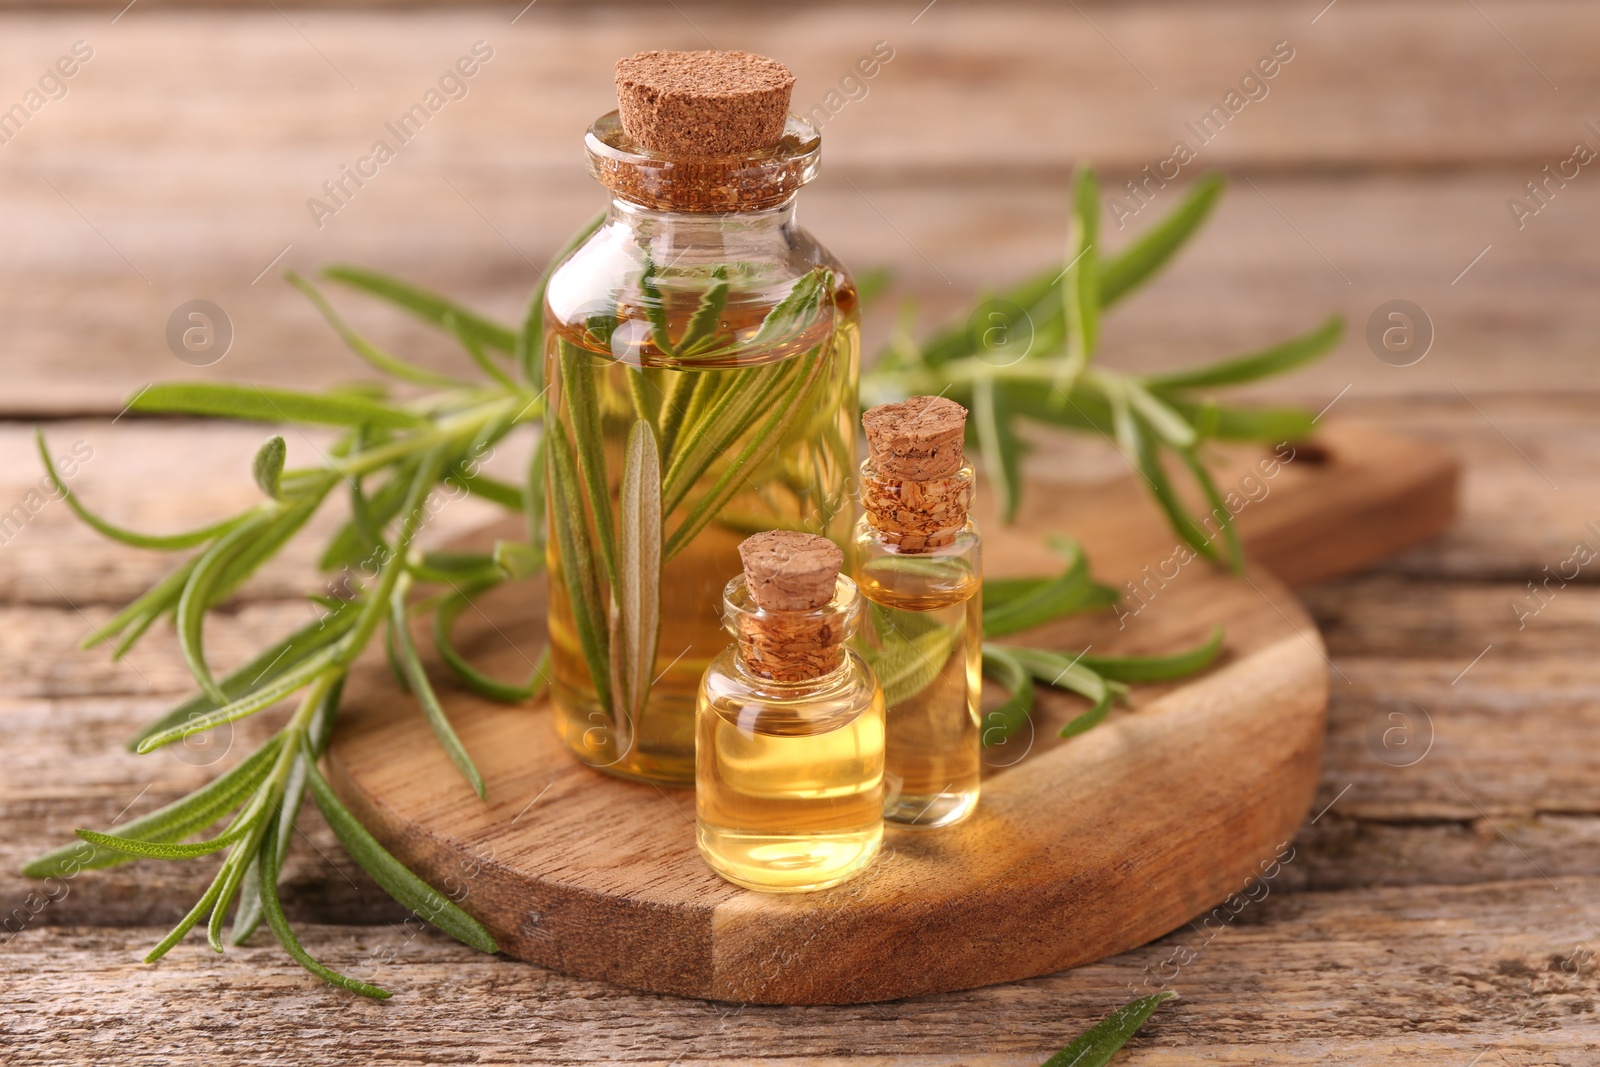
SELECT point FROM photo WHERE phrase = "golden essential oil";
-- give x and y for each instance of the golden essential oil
(918, 563)
(790, 731)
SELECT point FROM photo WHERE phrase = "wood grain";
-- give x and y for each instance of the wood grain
(951, 170)
(1420, 976)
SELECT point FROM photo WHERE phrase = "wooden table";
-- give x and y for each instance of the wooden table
(1439, 912)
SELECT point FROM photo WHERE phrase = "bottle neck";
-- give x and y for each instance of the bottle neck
(802, 648)
(916, 516)
(711, 185)
(787, 683)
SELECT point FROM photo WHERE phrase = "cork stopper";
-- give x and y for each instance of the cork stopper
(790, 571)
(917, 440)
(916, 491)
(791, 576)
(703, 103)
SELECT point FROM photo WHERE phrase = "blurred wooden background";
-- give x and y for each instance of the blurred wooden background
(1436, 913)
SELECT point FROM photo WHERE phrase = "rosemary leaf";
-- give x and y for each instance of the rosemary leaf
(422, 689)
(577, 566)
(1148, 253)
(364, 348)
(474, 350)
(426, 902)
(1168, 425)
(488, 488)
(534, 503)
(267, 695)
(1229, 530)
(655, 309)
(164, 850)
(446, 565)
(267, 467)
(529, 343)
(517, 560)
(701, 330)
(444, 618)
(354, 541)
(274, 536)
(1021, 604)
(1139, 449)
(1278, 359)
(1036, 300)
(250, 912)
(269, 665)
(199, 594)
(131, 623)
(638, 587)
(906, 664)
(1096, 1046)
(583, 410)
(1001, 722)
(118, 533)
(171, 822)
(187, 923)
(675, 400)
(729, 413)
(376, 608)
(1080, 282)
(793, 315)
(762, 442)
(1156, 668)
(261, 403)
(1248, 424)
(430, 307)
(267, 882)
(999, 446)
(1062, 672)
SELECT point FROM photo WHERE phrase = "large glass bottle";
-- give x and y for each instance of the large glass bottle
(699, 323)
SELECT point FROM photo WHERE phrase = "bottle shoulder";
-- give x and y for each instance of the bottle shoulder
(937, 577)
(687, 256)
(754, 705)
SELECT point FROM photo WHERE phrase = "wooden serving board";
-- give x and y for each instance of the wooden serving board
(1080, 849)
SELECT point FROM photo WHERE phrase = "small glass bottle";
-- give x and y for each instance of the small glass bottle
(700, 311)
(789, 725)
(917, 562)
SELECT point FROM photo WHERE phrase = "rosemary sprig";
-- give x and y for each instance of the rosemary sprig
(1057, 383)
(391, 454)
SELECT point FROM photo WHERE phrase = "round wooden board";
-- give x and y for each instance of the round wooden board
(1080, 849)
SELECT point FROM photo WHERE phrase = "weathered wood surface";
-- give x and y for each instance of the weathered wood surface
(1382, 161)
(1436, 975)
(1413, 926)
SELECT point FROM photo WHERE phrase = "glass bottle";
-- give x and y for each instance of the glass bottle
(700, 311)
(917, 561)
(789, 783)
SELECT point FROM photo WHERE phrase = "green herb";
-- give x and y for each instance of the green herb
(391, 454)
(1056, 381)
(1096, 1046)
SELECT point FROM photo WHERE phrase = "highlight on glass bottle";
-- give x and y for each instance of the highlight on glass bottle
(790, 727)
(917, 563)
(702, 358)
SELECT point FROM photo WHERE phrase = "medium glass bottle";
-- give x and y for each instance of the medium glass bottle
(702, 357)
(917, 560)
(790, 729)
